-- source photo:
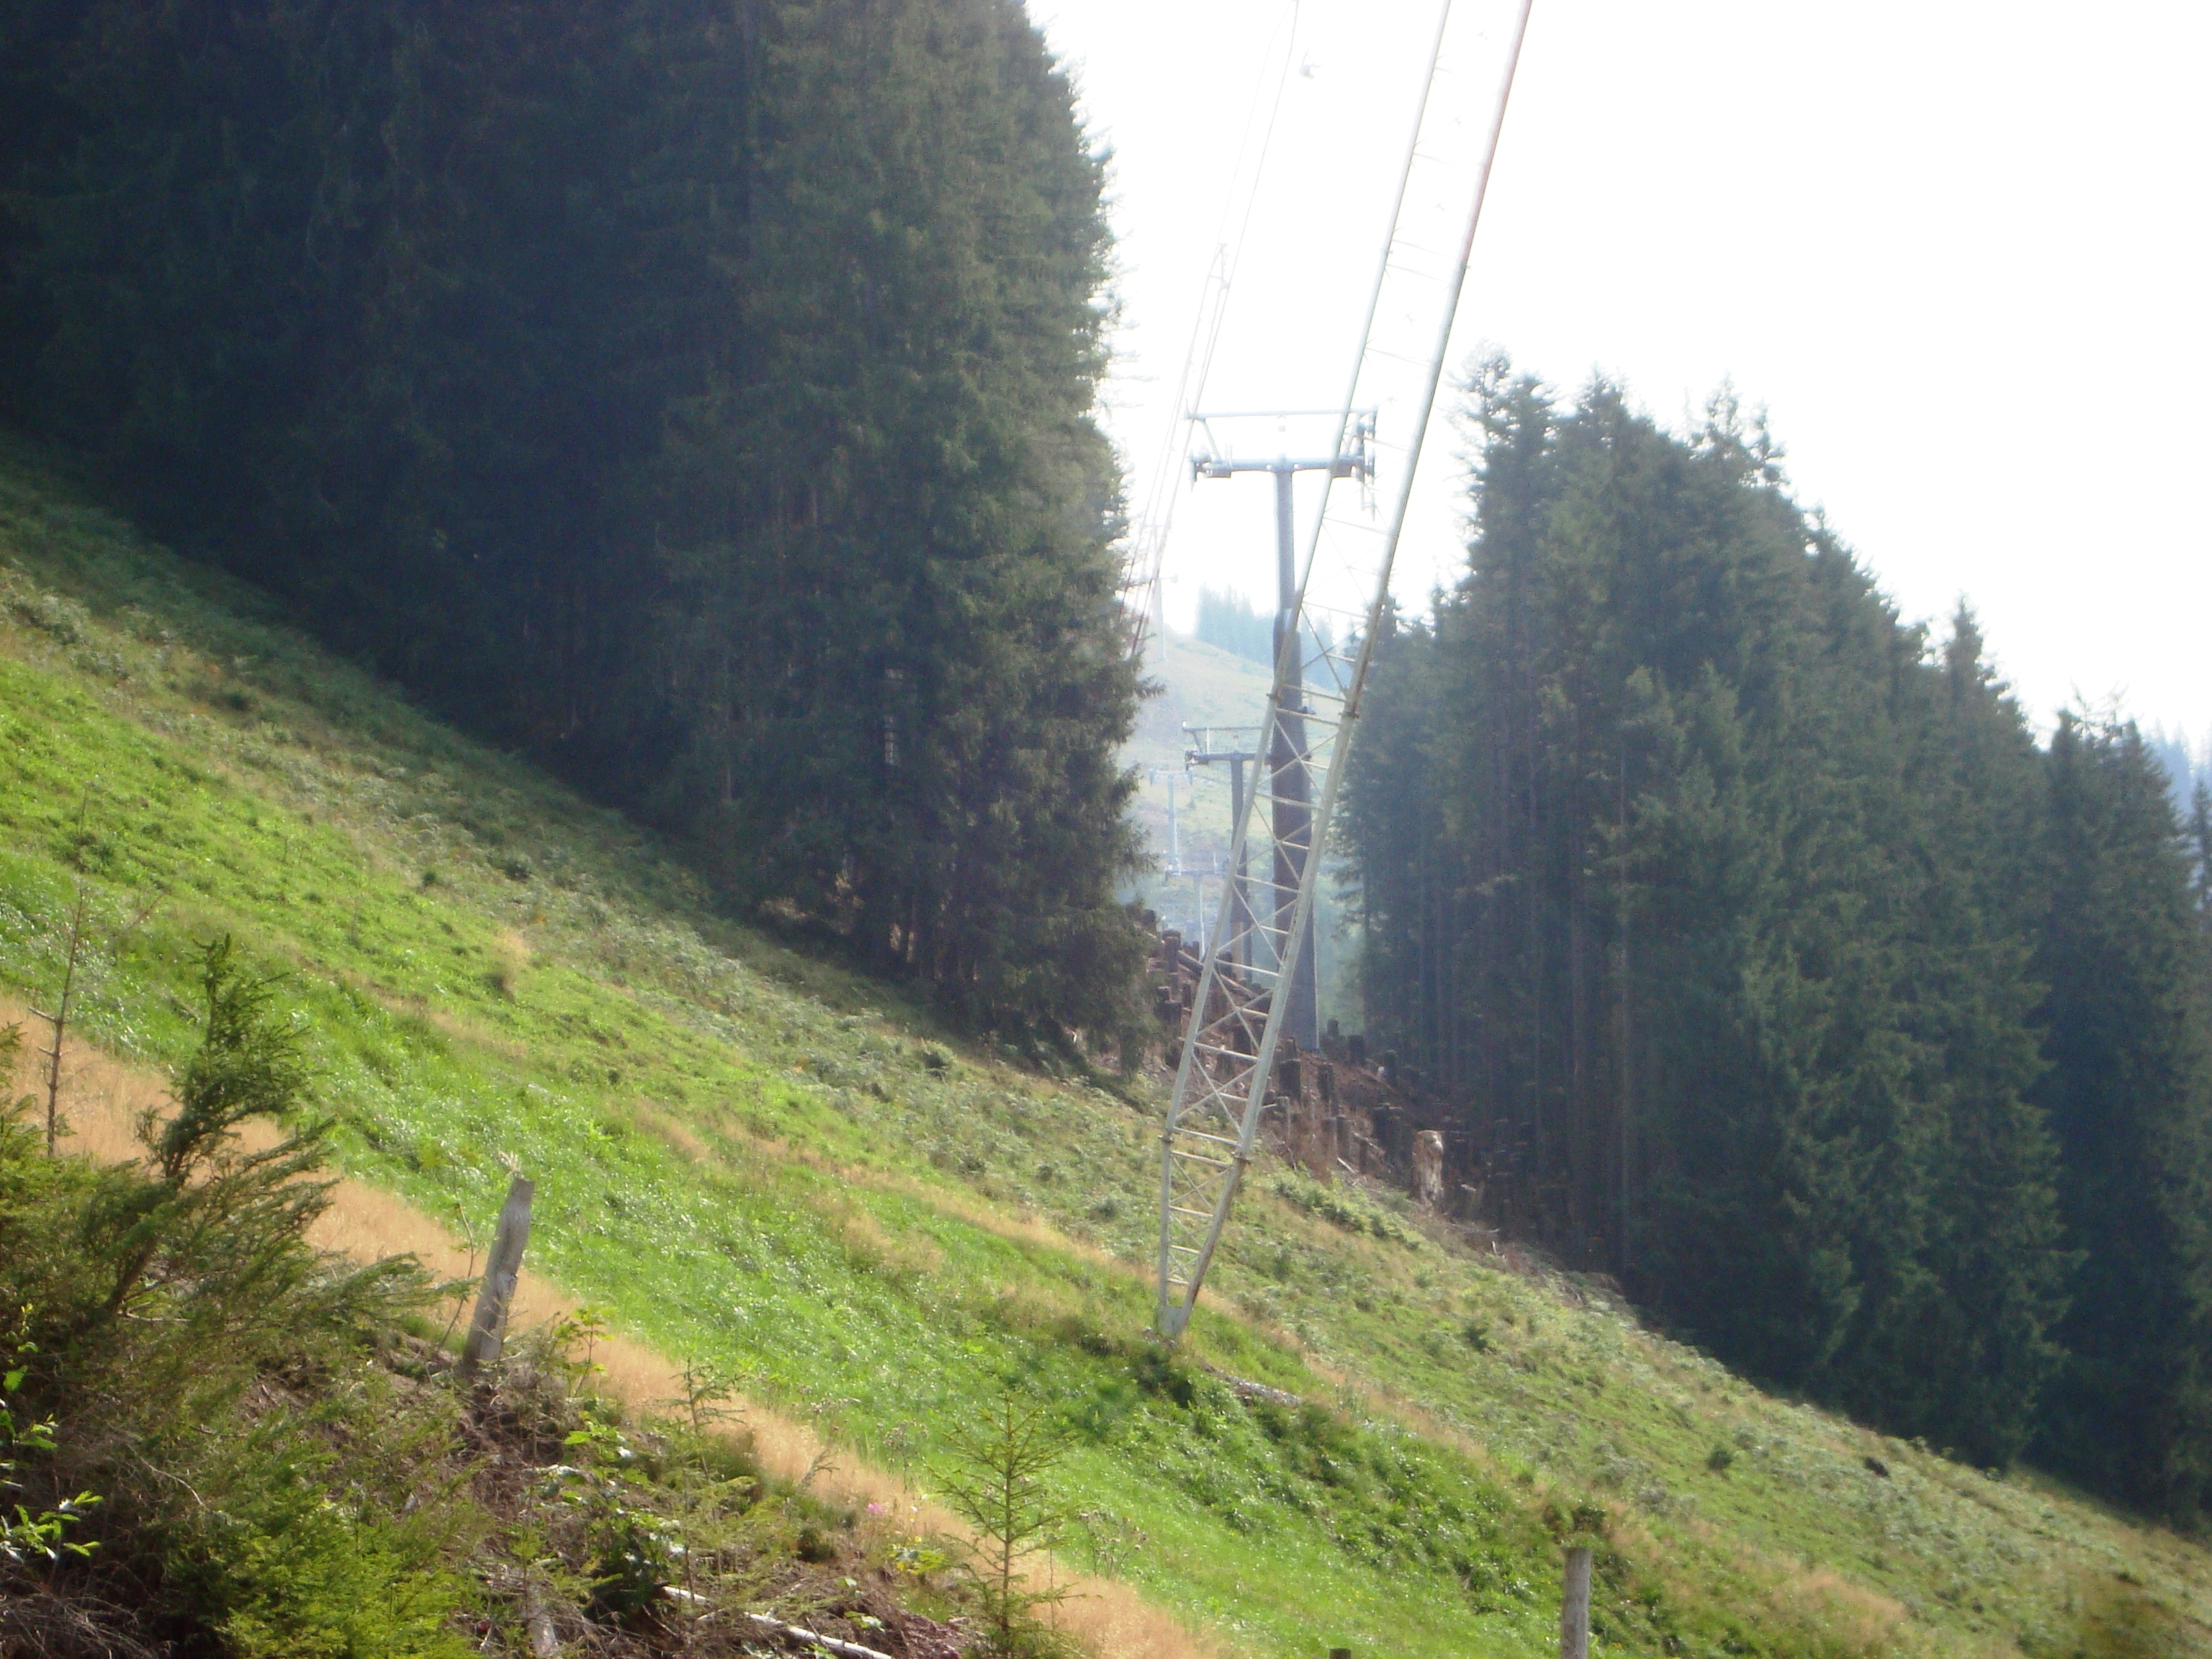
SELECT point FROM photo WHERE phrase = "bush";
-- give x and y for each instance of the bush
(290, 1558)
(167, 1311)
(26, 1535)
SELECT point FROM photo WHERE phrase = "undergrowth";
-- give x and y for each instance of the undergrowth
(223, 1439)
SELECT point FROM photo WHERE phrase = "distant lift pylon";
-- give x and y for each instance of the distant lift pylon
(1326, 643)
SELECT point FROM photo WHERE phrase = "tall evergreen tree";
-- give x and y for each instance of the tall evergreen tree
(1694, 877)
(1960, 1341)
(2130, 1094)
(2200, 848)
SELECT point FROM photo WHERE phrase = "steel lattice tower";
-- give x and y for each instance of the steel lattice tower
(1242, 1006)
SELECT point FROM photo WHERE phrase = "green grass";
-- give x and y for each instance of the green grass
(750, 1155)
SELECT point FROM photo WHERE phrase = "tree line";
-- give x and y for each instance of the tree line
(696, 395)
(1228, 619)
(1775, 966)
(2187, 760)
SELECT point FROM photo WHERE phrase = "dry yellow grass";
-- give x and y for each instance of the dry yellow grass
(743, 1148)
(1866, 1620)
(103, 1098)
(673, 1130)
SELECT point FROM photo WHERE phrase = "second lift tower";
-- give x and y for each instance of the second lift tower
(1291, 785)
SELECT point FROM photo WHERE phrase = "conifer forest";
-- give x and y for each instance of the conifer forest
(649, 707)
(1785, 975)
(698, 398)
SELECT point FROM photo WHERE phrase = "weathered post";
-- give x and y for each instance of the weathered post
(489, 1326)
(1574, 1606)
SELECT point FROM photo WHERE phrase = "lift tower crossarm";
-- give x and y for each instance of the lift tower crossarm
(1140, 597)
(1238, 1015)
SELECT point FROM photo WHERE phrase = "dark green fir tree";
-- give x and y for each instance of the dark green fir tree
(1696, 884)
(2130, 1095)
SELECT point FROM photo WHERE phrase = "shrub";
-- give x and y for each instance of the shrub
(25, 1535)
(290, 1558)
(153, 1297)
(1340, 1206)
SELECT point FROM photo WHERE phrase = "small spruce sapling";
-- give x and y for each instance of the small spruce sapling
(216, 1237)
(586, 1329)
(57, 1018)
(994, 1479)
(74, 942)
(709, 1386)
(821, 1411)
(459, 1289)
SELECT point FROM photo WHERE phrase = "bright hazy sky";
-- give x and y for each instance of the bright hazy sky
(1957, 250)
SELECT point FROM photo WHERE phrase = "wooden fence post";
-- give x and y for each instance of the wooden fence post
(1574, 1606)
(489, 1326)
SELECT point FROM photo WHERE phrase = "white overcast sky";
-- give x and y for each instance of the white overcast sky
(1959, 251)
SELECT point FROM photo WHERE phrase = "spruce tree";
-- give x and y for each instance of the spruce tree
(1697, 888)
(1389, 802)
(1958, 1342)
(2130, 1095)
(2200, 848)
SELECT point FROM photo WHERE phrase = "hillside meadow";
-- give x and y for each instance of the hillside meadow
(747, 1155)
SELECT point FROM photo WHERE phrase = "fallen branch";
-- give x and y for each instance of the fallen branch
(807, 1638)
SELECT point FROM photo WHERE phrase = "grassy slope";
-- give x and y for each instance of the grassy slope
(746, 1154)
